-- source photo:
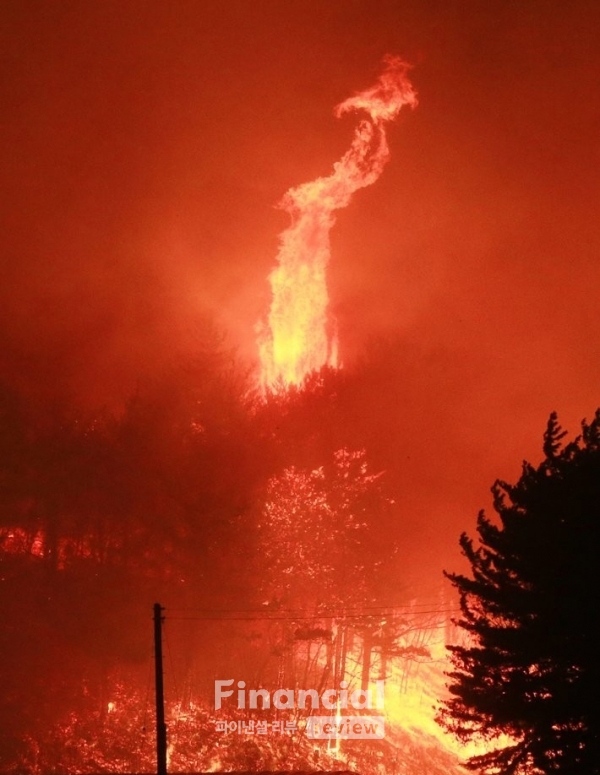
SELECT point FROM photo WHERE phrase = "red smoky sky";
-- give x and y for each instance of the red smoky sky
(145, 145)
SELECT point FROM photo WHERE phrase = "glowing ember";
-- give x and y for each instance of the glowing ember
(298, 337)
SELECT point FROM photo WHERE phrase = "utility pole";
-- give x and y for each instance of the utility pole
(161, 727)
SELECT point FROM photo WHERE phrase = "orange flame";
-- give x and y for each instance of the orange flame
(298, 337)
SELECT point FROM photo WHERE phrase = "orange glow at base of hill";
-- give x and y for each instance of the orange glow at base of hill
(299, 336)
(416, 689)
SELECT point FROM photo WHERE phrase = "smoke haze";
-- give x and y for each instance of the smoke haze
(145, 146)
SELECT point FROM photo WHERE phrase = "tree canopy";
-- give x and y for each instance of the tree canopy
(526, 677)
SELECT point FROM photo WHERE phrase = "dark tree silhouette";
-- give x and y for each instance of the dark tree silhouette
(526, 679)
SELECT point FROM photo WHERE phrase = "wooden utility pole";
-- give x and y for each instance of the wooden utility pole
(161, 727)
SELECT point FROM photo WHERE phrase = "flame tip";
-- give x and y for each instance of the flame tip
(297, 338)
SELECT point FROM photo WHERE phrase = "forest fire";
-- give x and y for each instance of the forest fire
(322, 533)
(322, 626)
(300, 336)
(302, 494)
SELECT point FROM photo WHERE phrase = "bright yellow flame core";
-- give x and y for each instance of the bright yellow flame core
(299, 336)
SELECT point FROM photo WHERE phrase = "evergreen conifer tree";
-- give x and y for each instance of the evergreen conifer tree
(526, 679)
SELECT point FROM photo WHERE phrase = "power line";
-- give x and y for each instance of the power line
(313, 617)
(323, 611)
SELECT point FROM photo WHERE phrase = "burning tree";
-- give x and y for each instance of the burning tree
(328, 559)
(528, 676)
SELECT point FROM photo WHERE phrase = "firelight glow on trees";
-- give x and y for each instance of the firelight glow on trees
(297, 337)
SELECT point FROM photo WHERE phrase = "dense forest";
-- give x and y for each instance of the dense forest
(268, 526)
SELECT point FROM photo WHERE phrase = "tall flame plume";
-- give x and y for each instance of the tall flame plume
(299, 336)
